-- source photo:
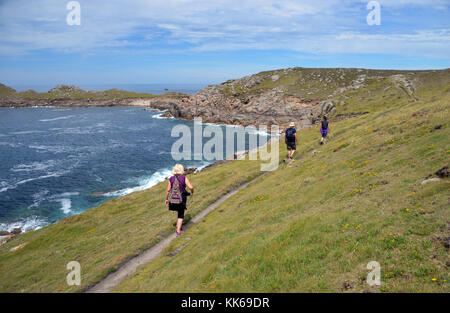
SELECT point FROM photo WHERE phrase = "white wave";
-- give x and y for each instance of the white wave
(250, 131)
(145, 183)
(201, 167)
(30, 223)
(61, 149)
(15, 185)
(81, 130)
(57, 118)
(38, 197)
(160, 115)
(54, 149)
(10, 144)
(26, 132)
(35, 166)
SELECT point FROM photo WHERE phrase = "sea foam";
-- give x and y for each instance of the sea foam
(145, 183)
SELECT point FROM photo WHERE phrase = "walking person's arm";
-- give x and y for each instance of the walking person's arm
(189, 185)
(167, 192)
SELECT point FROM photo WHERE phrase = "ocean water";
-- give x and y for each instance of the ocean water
(58, 162)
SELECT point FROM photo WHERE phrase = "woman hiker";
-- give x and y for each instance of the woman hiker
(176, 194)
(324, 127)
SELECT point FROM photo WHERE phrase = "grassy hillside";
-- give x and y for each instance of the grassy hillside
(104, 237)
(320, 83)
(312, 225)
(5, 90)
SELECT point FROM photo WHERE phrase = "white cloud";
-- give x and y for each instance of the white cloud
(309, 25)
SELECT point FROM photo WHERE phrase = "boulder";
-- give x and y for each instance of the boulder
(16, 231)
(4, 233)
(443, 172)
(5, 239)
(189, 170)
(18, 247)
(426, 181)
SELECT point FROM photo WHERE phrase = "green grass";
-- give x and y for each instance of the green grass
(315, 225)
(103, 237)
(319, 83)
(310, 226)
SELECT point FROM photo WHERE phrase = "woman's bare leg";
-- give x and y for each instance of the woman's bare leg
(179, 224)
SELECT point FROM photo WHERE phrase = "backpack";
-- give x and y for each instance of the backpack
(290, 134)
(175, 195)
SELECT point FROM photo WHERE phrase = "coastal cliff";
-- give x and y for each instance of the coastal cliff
(302, 95)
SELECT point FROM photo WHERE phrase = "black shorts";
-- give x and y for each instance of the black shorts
(179, 207)
(290, 145)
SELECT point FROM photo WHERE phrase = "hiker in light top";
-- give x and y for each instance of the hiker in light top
(176, 194)
(291, 139)
(324, 127)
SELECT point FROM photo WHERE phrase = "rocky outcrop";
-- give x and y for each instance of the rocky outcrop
(68, 89)
(16, 231)
(275, 97)
(160, 103)
(270, 107)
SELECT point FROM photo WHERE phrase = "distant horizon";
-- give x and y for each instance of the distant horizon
(105, 86)
(141, 87)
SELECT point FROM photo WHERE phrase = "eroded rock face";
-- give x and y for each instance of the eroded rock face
(269, 107)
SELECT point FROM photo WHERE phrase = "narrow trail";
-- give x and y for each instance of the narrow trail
(115, 278)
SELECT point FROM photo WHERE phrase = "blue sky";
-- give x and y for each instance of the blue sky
(206, 41)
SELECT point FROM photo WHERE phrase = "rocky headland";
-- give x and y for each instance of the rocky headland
(302, 95)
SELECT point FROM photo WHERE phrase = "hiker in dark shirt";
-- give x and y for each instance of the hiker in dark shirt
(291, 140)
(324, 127)
(176, 194)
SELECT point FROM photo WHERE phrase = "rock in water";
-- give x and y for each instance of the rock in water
(16, 231)
(189, 170)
